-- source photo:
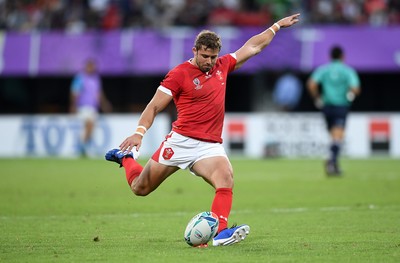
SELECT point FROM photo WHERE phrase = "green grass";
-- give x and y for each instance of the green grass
(51, 210)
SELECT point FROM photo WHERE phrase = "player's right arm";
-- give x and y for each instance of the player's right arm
(313, 90)
(75, 89)
(158, 103)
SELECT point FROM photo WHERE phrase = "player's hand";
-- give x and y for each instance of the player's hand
(289, 21)
(130, 142)
(318, 103)
(350, 96)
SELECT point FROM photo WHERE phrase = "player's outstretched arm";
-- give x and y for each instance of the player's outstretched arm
(257, 43)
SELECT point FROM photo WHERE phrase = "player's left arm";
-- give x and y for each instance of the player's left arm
(257, 43)
(75, 88)
(354, 87)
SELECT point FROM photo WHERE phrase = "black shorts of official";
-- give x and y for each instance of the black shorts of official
(335, 116)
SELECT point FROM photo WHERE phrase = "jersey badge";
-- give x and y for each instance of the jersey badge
(219, 75)
(168, 153)
(196, 82)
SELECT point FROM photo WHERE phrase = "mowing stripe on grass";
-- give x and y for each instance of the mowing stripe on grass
(182, 213)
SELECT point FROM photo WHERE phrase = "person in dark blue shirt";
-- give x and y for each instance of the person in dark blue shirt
(287, 91)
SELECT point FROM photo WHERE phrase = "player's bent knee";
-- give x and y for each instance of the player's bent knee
(224, 180)
(140, 190)
(229, 181)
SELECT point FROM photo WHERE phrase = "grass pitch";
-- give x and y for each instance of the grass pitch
(54, 210)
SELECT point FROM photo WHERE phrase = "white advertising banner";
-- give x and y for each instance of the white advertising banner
(305, 135)
(59, 135)
(254, 135)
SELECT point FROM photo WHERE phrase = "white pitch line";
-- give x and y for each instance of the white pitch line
(188, 214)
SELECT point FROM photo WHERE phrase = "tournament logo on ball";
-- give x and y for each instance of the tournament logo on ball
(201, 229)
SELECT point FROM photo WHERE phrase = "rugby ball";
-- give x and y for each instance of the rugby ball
(201, 228)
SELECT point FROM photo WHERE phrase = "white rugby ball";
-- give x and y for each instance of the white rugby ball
(201, 228)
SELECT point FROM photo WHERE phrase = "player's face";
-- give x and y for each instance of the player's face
(90, 67)
(205, 58)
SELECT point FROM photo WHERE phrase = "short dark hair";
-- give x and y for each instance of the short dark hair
(336, 52)
(208, 39)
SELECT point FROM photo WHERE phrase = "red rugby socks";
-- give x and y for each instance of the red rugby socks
(222, 205)
(132, 169)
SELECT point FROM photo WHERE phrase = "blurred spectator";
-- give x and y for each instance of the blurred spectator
(253, 14)
(81, 15)
(112, 18)
(376, 11)
(75, 17)
(194, 13)
(222, 14)
(394, 11)
(351, 11)
(87, 98)
(287, 91)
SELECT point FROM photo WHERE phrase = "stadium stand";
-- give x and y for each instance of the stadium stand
(81, 15)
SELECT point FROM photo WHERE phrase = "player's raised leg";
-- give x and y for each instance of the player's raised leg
(151, 177)
(142, 180)
(126, 159)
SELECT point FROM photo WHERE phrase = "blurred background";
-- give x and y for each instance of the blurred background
(44, 43)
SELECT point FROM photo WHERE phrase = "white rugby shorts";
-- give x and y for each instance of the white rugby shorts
(87, 113)
(184, 152)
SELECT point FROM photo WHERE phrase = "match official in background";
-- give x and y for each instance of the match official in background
(339, 85)
(87, 98)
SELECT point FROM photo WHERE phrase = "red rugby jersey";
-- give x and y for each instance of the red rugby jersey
(200, 98)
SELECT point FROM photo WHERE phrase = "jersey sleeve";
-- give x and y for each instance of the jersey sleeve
(172, 81)
(76, 84)
(354, 81)
(317, 74)
(231, 59)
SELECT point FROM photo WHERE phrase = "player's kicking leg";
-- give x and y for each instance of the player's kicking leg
(231, 235)
(116, 155)
(142, 180)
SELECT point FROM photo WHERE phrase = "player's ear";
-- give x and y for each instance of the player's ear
(194, 51)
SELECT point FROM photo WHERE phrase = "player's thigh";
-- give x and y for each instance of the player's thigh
(341, 116)
(327, 112)
(216, 170)
(153, 175)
